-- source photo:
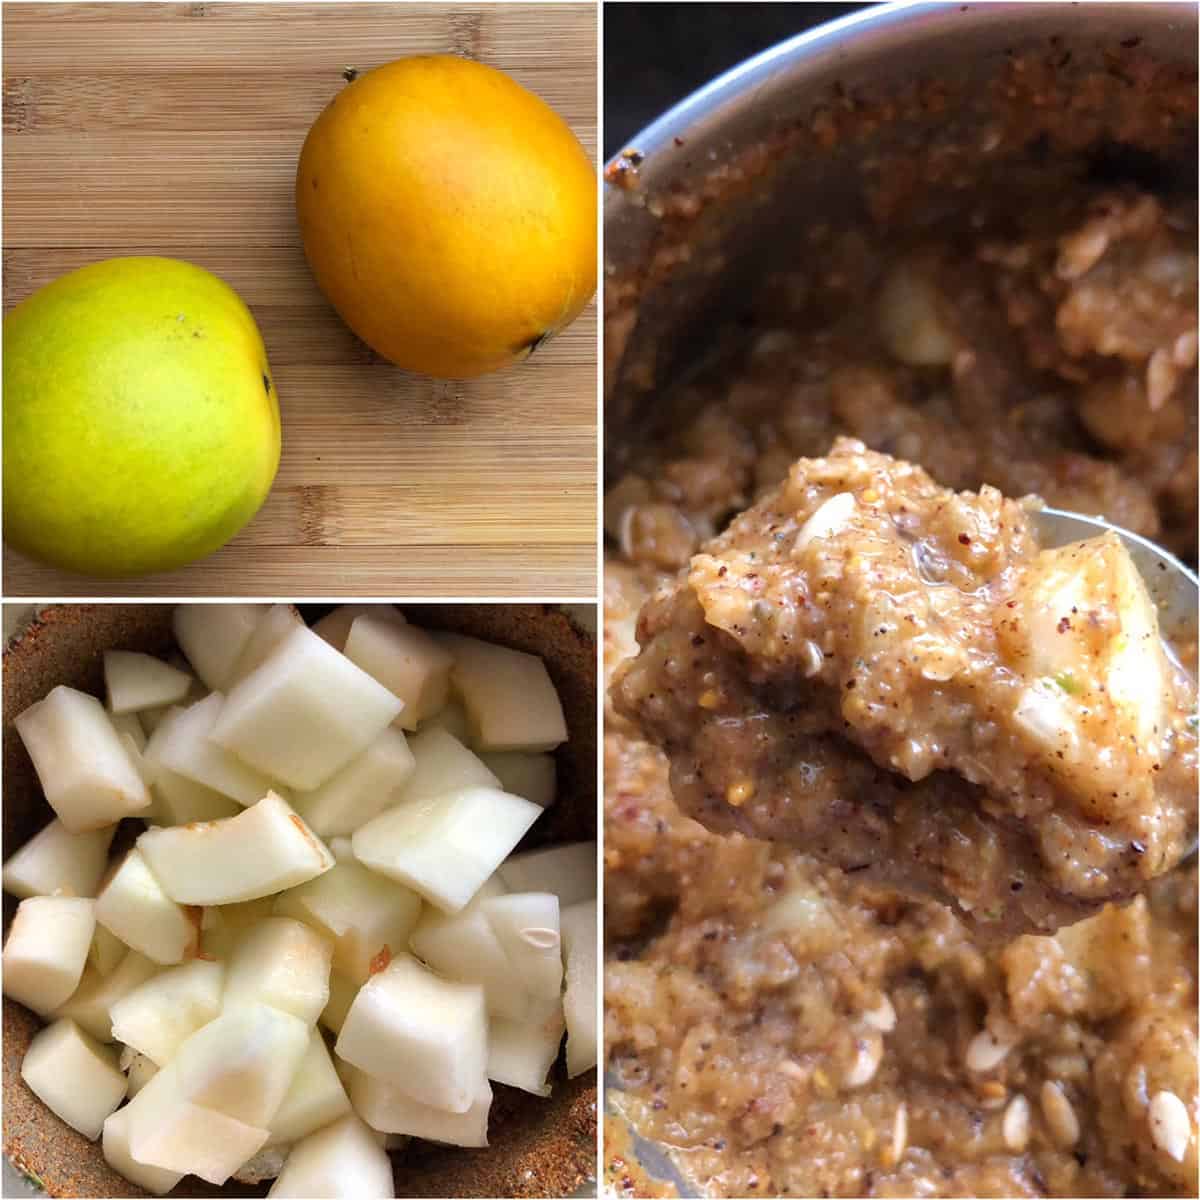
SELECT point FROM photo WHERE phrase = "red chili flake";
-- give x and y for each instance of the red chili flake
(964, 540)
(381, 961)
(1064, 625)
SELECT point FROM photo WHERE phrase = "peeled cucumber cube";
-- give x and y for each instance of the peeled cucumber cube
(316, 1096)
(389, 1110)
(305, 713)
(134, 907)
(283, 963)
(521, 1054)
(446, 846)
(74, 1076)
(265, 849)
(57, 860)
(47, 949)
(579, 932)
(183, 743)
(342, 1160)
(422, 1034)
(86, 772)
(158, 1016)
(569, 871)
(213, 637)
(136, 681)
(406, 660)
(115, 1145)
(509, 697)
(91, 1004)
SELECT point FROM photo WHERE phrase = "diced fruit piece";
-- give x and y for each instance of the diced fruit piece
(453, 719)
(304, 713)
(341, 1160)
(86, 772)
(406, 660)
(107, 950)
(521, 1055)
(526, 925)
(276, 623)
(213, 637)
(341, 995)
(242, 1063)
(361, 912)
(442, 764)
(264, 849)
(222, 926)
(57, 860)
(74, 1076)
(510, 701)
(334, 627)
(158, 1016)
(425, 1035)
(579, 1001)
(362, 789)
(446, 846)
(167, 1130)
(90, 1005)
(523, 774)
(283, 963)
(136, 681)
(139, 1069)
(134, 907)
(182, 743)
(182, 801)
(568, 871)
(116, 1153)
(389, 1110)
(46, 950)
(463, 946)
(315, 1098)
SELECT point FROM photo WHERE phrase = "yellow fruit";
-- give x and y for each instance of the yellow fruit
(141, 429)
(448, 214)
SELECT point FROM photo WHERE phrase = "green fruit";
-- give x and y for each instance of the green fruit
(141, 429)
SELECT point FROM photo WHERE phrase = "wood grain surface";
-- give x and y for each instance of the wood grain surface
(174, 129)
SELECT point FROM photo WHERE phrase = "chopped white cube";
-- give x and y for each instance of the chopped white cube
(85, 770)
(315, 1098)
(569, 871)
(57, 860)
(521, 1054)
(406, 660)
(158, 1016)
(134, 907)
(183, 743)
(283, 963)
(106, 951)
(509, 697)
(182, 801)
(362, 789)
(168, 1131)
(47, 949)
(364, 914)
(115, 1144)
(213, 637)
(342, 1160)
(90, 1005)
(524, 773)
(130, 728)
(74, 1076)
(579, 933)
(305, 713)
(275, 624)
(242, 1062)
(389, 1110)
(526, 924)
(463, 946)
(446, 846)
(443, 764)
(334, 627)
(425, 1035)
(264, 849)
(452, 717)
(136, 681)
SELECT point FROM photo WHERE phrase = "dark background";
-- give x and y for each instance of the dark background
(656, 54)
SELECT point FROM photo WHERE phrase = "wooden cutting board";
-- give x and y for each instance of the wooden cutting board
(174, 129)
